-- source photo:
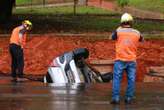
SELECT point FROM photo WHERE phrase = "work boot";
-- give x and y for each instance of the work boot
(115, 102)
(14, 79)
(129, 101)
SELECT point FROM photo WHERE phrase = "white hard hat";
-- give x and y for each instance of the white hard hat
(126, 17)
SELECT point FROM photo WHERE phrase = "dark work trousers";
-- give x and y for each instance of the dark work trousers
(17, 60)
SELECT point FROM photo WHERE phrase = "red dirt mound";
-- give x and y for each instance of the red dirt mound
(40, 50)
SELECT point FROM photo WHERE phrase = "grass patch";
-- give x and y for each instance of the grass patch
(88, 19)
(28, 2)
(152, 36)
(149, 25)
(40, 2)
(84, 23)
(61, 10)
(151, 5)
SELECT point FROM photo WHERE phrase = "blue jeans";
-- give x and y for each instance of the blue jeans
(119, 67)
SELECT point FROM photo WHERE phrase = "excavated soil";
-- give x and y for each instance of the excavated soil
(40, 50)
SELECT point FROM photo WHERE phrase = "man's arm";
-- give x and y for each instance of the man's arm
(114, 35)
(20, 38)
(141, 38)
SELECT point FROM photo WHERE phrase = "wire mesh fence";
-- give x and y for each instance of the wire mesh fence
(44, 2)
(58, 7)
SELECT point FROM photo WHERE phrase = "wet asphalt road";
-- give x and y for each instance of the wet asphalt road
(32, 95)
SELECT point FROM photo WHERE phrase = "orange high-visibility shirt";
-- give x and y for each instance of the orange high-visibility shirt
(126, 44)
(15, 38)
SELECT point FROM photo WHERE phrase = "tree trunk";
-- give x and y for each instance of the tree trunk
(6, 7)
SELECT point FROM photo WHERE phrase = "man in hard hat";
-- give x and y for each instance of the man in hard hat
(127, 40)
(17, 43)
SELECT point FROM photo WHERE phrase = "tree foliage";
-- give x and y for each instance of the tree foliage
(123, 3)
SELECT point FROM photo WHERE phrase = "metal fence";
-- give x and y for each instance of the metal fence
(44, 2)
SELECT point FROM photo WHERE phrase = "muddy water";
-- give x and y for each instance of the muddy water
(38, 96)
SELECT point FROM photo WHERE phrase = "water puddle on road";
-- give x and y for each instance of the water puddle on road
(39, 96)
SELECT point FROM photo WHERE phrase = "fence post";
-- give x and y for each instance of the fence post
(75, 4)
(44, 2)
(100, 2)
(86, 2)
(31, 5)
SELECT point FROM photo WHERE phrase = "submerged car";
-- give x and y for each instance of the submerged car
(71, 67)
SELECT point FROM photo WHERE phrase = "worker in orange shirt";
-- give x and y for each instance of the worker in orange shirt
(17, 43)
(127, 40)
